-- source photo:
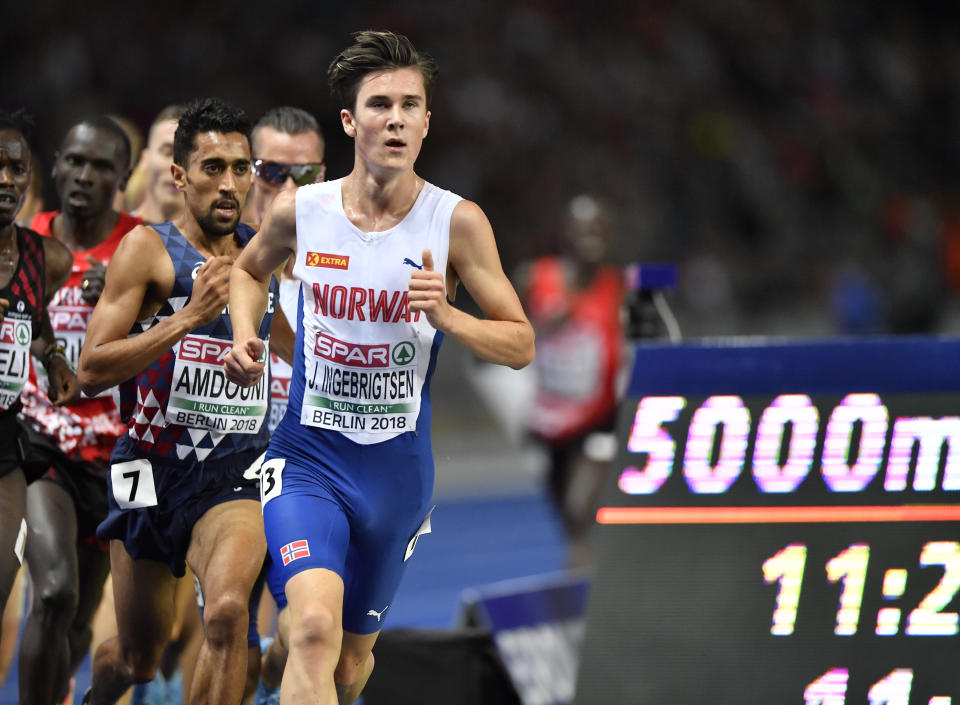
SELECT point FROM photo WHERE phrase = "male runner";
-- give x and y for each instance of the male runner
(183, 481)
(67, 564)
(574, 301)
(161, 199)
(288, 152)
(349, 473)
(31, 269)
(287, 147)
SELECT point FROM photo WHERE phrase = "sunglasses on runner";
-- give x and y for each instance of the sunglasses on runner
(276, 173)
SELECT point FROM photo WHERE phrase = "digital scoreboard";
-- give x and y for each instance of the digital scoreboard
(781, 525)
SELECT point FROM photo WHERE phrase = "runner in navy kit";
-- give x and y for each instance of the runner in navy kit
(184, 479)
(348, 478)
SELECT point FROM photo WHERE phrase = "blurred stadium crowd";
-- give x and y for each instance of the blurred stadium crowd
(799, 161)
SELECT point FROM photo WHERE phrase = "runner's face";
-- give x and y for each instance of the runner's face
(216, 180)
(156, 161)
(89, 169)
(390, 119)
(14, 174)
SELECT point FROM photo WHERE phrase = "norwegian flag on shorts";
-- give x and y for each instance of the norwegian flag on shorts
(294, 550)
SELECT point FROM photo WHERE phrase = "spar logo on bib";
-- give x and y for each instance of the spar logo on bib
(403, 353)
(322, 259)
(205, 350)
(18, 332)
(351, 354)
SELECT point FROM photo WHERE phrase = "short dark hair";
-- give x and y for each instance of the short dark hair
(206, 115)
(21, 121)
(289, 120)
(373, 51)
(106, 124)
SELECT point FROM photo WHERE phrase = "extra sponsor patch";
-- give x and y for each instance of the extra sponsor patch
(324, 259)
(294, 550)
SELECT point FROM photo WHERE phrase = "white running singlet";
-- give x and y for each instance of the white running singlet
(365, 353)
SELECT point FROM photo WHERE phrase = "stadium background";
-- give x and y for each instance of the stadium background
(798, 161)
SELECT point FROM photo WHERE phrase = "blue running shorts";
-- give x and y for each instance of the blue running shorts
(354, 509)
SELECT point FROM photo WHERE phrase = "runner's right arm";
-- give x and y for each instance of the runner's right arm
(139, 278)
(249, 280)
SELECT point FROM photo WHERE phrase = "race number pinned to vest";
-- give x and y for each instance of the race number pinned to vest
(202, 397)
(354, 387)
(15, 338)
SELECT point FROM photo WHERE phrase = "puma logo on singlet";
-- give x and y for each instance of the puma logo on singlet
(407, 260)
(378, 615)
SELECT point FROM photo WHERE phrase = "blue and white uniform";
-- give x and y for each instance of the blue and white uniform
(349, 471)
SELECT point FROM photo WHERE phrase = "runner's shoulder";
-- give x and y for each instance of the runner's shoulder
(141, 255)
(142, 242)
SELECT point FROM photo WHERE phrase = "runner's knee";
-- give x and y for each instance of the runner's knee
(56, 599)
(226, 618)
(142, 663)
(317, 626)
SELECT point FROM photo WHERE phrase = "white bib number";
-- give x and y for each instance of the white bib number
(361, 388)
(15, 338)
(271, 479)
(133, 486)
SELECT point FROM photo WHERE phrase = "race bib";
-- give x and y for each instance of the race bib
(69, 316)
(271, 479)
(365, 388)
(133, 485)
(15, 338)
(202, 397)
(69, 322)
(280, 374)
